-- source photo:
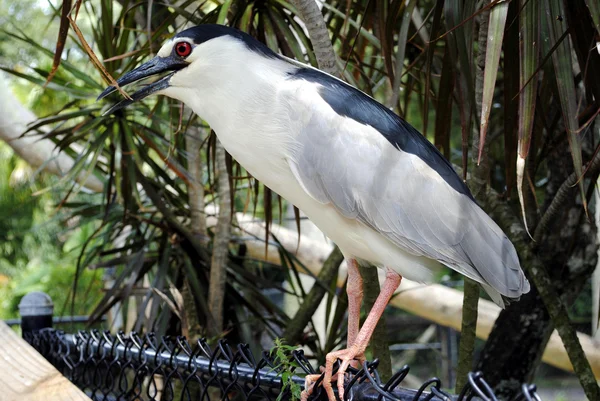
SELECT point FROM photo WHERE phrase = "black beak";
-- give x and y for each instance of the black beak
(155, 66)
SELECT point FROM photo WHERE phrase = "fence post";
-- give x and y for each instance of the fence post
(36, 310)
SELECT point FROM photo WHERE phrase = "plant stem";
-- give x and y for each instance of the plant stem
(478, 184)
(295, 328)
(467, 333)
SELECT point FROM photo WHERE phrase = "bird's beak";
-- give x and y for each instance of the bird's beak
(155, 66)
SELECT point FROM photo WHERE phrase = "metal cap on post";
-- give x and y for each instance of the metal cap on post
(36, 309)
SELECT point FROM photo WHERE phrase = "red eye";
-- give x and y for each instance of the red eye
(183, 49)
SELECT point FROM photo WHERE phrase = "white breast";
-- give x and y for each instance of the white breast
(261, 147)
(250, 111)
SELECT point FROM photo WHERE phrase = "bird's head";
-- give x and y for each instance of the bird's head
(186, 59)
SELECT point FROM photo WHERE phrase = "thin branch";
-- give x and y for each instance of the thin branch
(561, 197)
(468, 331)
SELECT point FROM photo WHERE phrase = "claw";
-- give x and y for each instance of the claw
(346, 356)
(309, 384)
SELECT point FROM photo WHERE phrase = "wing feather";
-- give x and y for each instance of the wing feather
(349, 164)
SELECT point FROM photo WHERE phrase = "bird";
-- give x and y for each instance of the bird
(362, 174)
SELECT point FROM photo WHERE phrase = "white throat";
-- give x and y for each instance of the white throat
(237, 92)
(227, 84)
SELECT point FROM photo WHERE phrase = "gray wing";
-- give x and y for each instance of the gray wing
(340, 161)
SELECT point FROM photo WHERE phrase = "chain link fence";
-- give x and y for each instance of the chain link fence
(133, 367)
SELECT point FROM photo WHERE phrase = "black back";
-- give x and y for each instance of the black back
(350, 102)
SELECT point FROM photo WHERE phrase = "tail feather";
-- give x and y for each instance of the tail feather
(494, 257)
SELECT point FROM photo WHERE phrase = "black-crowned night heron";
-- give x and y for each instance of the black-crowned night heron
(370, 181)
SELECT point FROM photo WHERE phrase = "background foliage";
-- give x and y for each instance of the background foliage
(507, 90)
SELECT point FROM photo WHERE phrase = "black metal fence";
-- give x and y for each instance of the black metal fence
(133, 367)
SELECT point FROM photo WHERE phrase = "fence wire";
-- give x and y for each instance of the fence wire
(132, 367)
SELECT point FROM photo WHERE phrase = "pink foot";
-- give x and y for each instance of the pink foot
(346, 356)
(309, 384)
(355, 351)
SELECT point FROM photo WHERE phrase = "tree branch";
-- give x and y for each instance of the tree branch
(561, 197)
(218, 266)
(511, 225)
(319, 35)
(193, 142)
(468, 335)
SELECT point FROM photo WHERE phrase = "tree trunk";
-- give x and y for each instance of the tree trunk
(514, 348)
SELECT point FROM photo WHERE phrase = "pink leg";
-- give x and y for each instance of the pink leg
(354, 289)
(362, 340)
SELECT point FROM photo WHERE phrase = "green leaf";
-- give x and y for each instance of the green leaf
(529, 53)
(270, 36)
(283, 27)
(431, 45)
(458, 17)
(75, 92)
(495, 38)
(246, 21)
(304, 39)
(401, 48)
(594, 6)
(563, 67)
(74, 70)
(67, 115)
(223, 12)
